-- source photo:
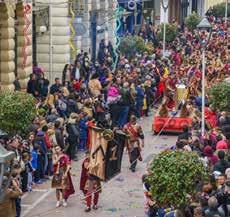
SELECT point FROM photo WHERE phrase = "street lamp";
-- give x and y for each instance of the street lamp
(204, 33)
(165, 5)
(226, 12)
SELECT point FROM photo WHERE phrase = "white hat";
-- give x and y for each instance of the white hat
(127, 66)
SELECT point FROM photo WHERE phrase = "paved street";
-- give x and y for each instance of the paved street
(121, 197)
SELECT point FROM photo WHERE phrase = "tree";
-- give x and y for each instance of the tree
(219, 96)
(192, 21)
(174, 176)
(219, 10)
(131, 44)
(17, 110)
(171, 32)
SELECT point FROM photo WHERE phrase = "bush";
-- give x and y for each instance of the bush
(192, 21)
(219, 96)
(131, 44)
(174, 176)
(219, 10)
(171, 32)
(17, 110)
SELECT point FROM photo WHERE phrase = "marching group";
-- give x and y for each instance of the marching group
(89, 95)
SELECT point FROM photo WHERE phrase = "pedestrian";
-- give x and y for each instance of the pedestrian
(62, 181)
(84, 172)
(11, 204)
(95, 85)
(73, 131)
(59, 137)
(25, 171)
(34, 163)
(83, 131)
(135, 138)
(56, 87)
(93, 188)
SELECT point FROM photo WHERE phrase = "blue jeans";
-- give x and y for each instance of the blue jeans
(82, 145)
(124, 112)
(18, 206)
(138, 109)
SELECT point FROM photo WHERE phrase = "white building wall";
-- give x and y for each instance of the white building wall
(104, 8)
(61, 34)
(57, 40)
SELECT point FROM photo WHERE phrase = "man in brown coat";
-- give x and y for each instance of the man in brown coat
(8, 207)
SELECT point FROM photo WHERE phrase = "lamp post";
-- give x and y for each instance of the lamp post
(0, 55)
(226, 12)
(165, 5)
(204, 27)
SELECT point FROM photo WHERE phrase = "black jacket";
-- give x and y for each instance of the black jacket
(59, 138)
(221, 166)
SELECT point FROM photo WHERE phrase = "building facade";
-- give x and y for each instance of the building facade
(15, 43)
(70, 31)
(178, 10)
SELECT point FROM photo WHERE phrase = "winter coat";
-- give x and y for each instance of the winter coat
(83, 128)
(7, 207)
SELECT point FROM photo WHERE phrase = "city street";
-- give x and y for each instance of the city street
(121, 197)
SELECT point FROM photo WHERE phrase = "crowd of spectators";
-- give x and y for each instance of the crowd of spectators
(88, 95)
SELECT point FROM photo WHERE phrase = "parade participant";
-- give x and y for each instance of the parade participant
(135, 134)
(93, 189)
(84, 173)
(62, 180)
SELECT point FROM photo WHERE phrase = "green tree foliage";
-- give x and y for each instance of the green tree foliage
(171, 32)
(17, 110)
(131, 44)
(192, 21)
(219, 96)
(174, 176)
(219, 10)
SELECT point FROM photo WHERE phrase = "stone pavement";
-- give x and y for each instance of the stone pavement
(122, 196)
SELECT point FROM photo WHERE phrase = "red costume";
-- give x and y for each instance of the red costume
(90, 124)
(84, 175)
(211, 117)
(93, 188)
(67, 184)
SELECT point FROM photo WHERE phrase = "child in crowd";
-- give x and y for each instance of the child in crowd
(26, 171)
(15, 187)
(34, 163)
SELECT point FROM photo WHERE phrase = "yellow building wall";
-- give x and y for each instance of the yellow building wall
(210, 3)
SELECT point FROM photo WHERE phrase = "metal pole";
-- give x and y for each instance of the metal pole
(0, 55)
(164, 33)
(94, 35)
(50, 42)
(203, 93)
(226, 12)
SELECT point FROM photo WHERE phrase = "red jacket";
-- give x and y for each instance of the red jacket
(47, 140)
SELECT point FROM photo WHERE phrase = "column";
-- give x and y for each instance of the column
(7, 44)
(111, 22)
(24, 42)
(86, 38)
